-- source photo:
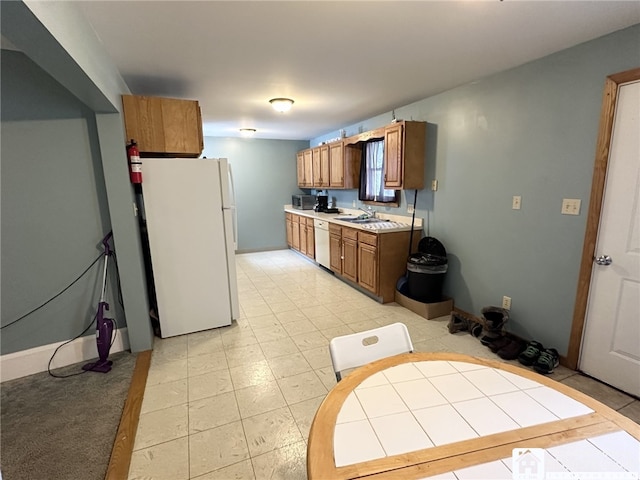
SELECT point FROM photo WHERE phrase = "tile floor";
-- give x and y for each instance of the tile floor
(237, 402)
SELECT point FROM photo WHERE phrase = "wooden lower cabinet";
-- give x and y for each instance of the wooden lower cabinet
(335, 248)
(350, 254)
(300, 234)
(368, 261)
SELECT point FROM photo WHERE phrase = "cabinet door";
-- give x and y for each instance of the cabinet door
(368, 267)
(308, 168)
(335, 252)
(336, 165)
(295, 231)
(289, 227)
(350, 258)
(311, 239)
(393, 156)
(300, 168)
(163, 126)
(303, 235)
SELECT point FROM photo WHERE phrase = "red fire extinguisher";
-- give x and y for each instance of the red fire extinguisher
(135, 165)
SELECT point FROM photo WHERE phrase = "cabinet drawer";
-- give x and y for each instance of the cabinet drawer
(336, 229)
(368, 238)
(350, 233)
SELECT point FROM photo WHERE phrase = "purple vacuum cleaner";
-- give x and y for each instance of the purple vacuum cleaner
(104, 326)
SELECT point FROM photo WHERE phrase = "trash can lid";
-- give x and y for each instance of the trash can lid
(426, 259)
(432, 246)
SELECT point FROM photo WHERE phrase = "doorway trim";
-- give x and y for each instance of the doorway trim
(607, 115)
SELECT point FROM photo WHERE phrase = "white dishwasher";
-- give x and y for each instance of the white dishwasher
(322, 242)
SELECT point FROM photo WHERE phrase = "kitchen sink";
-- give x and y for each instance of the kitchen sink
(361, 220)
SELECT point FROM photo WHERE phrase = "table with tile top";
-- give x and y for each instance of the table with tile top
(452, 416)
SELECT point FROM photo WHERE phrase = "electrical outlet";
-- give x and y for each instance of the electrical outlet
(506, 303)
(354, 204)
(434, 185)
(516, 202)
(571, 206)
(409, 208)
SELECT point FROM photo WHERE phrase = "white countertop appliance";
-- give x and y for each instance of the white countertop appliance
(191, 222)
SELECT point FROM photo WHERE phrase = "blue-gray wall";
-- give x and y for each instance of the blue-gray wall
(530, 131)
(54, 209)
(265, 177)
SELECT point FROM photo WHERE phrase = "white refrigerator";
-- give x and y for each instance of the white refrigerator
(190, 213)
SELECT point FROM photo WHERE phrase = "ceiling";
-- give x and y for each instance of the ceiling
(342, 62)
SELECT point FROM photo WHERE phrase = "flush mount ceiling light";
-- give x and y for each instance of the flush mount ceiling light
(281, 104)
(247, 132)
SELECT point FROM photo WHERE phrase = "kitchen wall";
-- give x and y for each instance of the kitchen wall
(265, 177)
(529, 131)
(54, 209)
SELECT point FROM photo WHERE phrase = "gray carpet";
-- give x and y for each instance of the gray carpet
(62, 429)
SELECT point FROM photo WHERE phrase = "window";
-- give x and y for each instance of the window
(372, 175)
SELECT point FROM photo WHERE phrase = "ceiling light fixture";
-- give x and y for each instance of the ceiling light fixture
(281, 104)
(247, 132)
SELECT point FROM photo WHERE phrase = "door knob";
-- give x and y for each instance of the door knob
(604, 260)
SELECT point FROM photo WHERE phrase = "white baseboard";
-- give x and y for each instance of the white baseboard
(35, 360)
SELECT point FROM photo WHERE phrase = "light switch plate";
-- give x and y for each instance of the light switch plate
(571, 206)
(516, 202)
(434, 185)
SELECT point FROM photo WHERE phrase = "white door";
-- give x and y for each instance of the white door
(611, 343)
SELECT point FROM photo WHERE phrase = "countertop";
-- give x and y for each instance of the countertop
(394, 223)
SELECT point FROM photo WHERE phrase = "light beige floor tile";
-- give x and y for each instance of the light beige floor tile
(213, 412)
(241, 338)
(306, 302)
(287, 463)
(271, 430)
(217, 448)
(277, 348)
(601, 392)
(244, 355)
(318, 357)
(309, 340)
(238, 471)
(251, 374)
(205, 342)
(161, 426)
(256, 311)
(296, 328)
(168, 371)
(164, 395)
(301, 387)
(327, 321)
(209, 384)
(282, 306)
(289, 365)
(166, 461)
(334, 332)
(315, 311)
(259, 399)
(304, 412)
(264, 321)
(327, 376)
(290, 316)
(269, 334)
(360, 325)
(207, 363)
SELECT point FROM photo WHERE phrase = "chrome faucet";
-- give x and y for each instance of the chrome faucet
(370, 213)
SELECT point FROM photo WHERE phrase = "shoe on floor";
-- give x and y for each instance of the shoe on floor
(511, 351)
(547, 361)
(457, 323)
(531, 353)
(489, 338)
(499, 343)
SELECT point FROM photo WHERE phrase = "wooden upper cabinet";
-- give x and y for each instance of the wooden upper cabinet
(404, 151)
(335, 151)
(320, 166)
(163, 126)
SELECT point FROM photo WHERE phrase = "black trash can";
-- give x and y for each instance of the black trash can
(426, 271)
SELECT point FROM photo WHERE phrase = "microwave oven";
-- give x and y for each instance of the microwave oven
(303, 202)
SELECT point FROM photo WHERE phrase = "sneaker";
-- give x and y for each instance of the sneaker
(547, 361)
(531, 353)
